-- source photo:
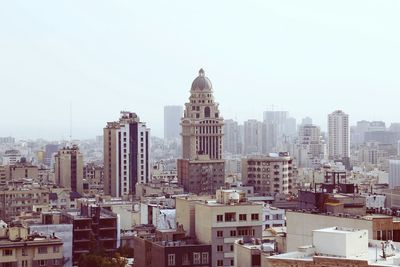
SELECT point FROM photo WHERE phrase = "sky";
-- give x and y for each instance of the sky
(88, 60)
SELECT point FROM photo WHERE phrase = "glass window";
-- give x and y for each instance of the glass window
(196, 258)
(42, 250)
(171, 259)
(204, 258)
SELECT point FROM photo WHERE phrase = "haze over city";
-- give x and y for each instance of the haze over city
(308, 57)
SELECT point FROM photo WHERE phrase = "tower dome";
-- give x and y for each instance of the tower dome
(201, 83)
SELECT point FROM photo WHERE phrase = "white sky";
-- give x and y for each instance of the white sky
(307, 57)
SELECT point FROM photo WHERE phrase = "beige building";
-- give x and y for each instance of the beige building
(220, 222)
(69, 168)
(300, 226)
(19, 249)
(201, 168)
(22, 169)
(338, 135)
(268, 174)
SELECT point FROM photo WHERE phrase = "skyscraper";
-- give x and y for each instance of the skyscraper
(338, 132)
(253, 136)
(126, 155)
(69, 168)
(394, 173)
(232, 137)
(201, 168)
(172, 119)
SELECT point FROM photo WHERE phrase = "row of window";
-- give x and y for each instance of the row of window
(198, 258)
(231, 217)
(239, 232)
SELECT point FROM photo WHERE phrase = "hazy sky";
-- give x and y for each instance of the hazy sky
(307, 57)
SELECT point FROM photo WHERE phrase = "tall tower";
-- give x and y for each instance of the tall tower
(172, 119)
(202, 167)
(69, 168)
(126, 155)
(338, 131)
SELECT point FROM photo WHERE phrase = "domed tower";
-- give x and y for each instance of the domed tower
(201, 123)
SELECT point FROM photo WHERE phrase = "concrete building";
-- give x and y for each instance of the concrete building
(50, 151)
(20, 249)
(11, 157)
(68, 169)
(94, 177)
(273, 217)
(310, 136)
(172, 118)
(346, 247)
(249, 252)
(126, 155)
(201, 168)
(233, 143)
(92, 223)
(220, 222)
(253, 136)
(268, 174)
(338, 132)
(394, 173)
(22, 169)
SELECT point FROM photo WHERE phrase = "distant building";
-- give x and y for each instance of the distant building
(201, 168)
(253, 137)
(11, 157)
(172, 118)
(126, 155)
(268, 174)
(233, 143)
(68, 168)
(394, 173)
(338, 132)
(49, 151)
(7, 140)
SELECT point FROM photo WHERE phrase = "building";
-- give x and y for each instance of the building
(22, 169)
(233, 143)
(94, 177)
(92, 223)
(338, 132)
(300, 225)
(11, 157)
(220, 222)
(273, 217)
(348, 246)
(50, 151)
(249, 252)
(68, 168)
(253, 137)
(394, 173)
(18, 248)
(172, 118)
(310, 137)
(126, 155)
(201, 168)
(268, 174)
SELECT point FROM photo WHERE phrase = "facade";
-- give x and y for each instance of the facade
(268, 174)
(249, 253)
(11, 157)
(233, 143)
(68, 168)
(126, 155)
(253, 136)
(49, 151)
(310, 136)
(338, 132)
(394, 173)
(273, 217)
(92, 226)
(201, 168)
(21, 169)
(20, 249)
(172, 118)
(220, 222)
(94, 177)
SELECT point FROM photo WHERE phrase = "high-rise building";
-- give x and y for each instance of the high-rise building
(201, 168)
(338, 132)
(50, 150)
(253, 136)
(232, 137)
(126, 155)
(394, 173)
(172, 118)
(68, 168)
(306, 120)
(310, 136)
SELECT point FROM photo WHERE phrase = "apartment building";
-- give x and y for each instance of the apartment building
(220, 221)
(68, 169)
(20, 249)
(268, 174)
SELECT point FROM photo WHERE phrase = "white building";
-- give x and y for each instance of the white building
(375, 201)
(394, 173)
(273, 217)
(338, 132)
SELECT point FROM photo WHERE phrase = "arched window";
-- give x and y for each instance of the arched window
(207, 112)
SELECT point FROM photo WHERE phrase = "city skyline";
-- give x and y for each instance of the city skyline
(296, 56)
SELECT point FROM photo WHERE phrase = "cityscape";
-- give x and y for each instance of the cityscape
(203, 187)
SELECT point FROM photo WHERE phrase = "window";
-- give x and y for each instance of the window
(230, 216)
(185, 259)
(204, 258)
(42, 250)
(231, 247)
(254, 217)
(242, 217)
(220, 233)
(233, 232)
(42, 262)
(171, 259)
(24, 252)
(24, 263)
(220, 218)
(7, 252)
(220, 248)
(220, 262)
(56, 249)
(196, 258)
